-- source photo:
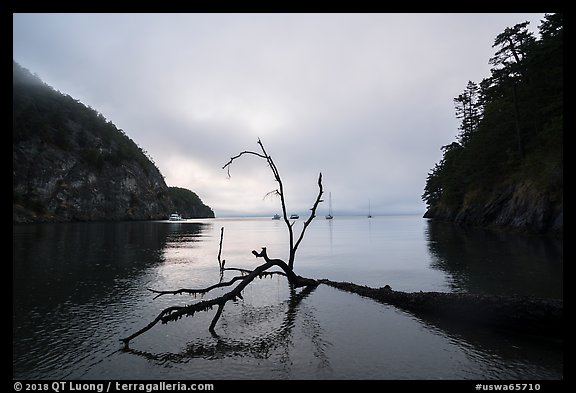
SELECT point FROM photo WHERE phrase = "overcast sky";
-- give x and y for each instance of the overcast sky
(366, 99)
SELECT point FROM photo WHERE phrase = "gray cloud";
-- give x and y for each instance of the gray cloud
(364, 98)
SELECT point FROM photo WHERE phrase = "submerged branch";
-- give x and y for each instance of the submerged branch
(220, 262)
(176, 312)
(216, 317)
(261, 345)
(293, 278)
(200, 291)
(173, 313)
(525, 315)
(127, 340)
(248, 271)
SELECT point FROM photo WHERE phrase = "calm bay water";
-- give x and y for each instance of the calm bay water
(80, 287)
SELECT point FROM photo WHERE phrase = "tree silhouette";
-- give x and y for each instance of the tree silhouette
(239, 282)
(468, 107)
(510, 68)
(280, 193)
(511, 126)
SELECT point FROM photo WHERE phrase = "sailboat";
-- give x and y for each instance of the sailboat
(330, 216)
(369, 214)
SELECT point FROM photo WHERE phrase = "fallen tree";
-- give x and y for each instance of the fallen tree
(519, 314)
(261, 346)
(174, 313)
(541, 317)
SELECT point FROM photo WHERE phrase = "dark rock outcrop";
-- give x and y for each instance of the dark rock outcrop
(70, 163)
(522, 207)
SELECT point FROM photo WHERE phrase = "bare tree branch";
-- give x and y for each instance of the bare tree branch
(273, 192)
(216, 317)
(248, 271)
(293, 278)
(229, 163)
(280, 193)
(220, 262)
(308, 221)
(224, 346)
(127, 340)
(176, 312)
(547, 313)
(200, 291)
(247, 276)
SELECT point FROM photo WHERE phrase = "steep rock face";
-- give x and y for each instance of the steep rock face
(54, 185)
(69, 163)
(521, 206)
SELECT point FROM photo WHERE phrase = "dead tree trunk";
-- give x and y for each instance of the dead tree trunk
(221, 346)
(534, 316)
(176, 312)
(246, 276)
(519, 314)
(280, 192)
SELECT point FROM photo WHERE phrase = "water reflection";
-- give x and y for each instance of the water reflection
(50, 260)
(500, 351)
(331, 234)
(493, 262)
(72, 285)
(271, 338)
(78, 288)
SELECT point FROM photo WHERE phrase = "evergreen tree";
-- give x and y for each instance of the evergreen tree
(468, 107)
(511, 122)
(514, 44)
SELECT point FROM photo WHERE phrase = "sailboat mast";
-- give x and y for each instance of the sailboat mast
(329, 216)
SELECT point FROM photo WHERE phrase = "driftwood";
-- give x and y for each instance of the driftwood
(176, 312)
(524, 315)
(261, 346)
(280, 192)
(540, 317)
(246, 276)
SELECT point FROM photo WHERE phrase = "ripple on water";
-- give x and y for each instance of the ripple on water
(71, 309)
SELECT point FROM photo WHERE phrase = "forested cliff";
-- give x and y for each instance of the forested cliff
(188, 204)
(506, 167)
(70, 163)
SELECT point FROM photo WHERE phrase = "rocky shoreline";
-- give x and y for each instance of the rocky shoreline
(522, 207)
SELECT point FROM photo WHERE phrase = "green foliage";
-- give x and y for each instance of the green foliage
(58, 139)
(511, 126)
(188, 204)
(514, 44)
(41, 113)
(468, 107)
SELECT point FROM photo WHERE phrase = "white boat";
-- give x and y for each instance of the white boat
(175, 217)
(369, 214)
(329, 216)
(276, 217)
(294, 216)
